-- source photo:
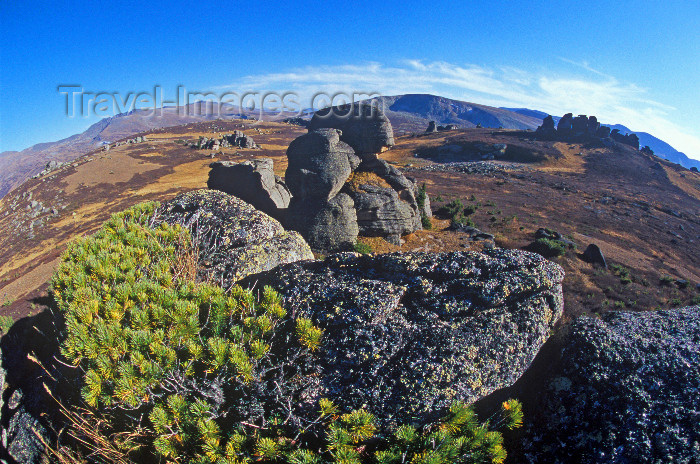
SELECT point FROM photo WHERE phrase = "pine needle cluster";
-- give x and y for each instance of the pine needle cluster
(199, 374)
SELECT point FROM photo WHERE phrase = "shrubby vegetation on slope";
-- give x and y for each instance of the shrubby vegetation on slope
(185, 371)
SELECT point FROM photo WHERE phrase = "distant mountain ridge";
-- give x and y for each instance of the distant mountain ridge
(660, 148)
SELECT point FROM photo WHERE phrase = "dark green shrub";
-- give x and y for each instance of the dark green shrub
(183, 371)
(421, 196)
(426, 221)
(548, 248)
(666, 280)
(622, 272)
(451, 209)
(362, 248)
(461, 220)
(5, 324)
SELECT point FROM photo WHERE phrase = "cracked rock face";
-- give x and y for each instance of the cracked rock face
(405, 334)
(234, 239)
(628, 392)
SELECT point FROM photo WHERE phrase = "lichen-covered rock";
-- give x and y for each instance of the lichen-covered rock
(628, 392)
(319, 165)
(234, 239)
(364, 127)
(405, 334)
(327, 225)
(253, 181)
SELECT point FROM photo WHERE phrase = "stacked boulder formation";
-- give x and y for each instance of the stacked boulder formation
(582, 128)
(335, 186)
(237, 139)
(433, 127)
(341, 188)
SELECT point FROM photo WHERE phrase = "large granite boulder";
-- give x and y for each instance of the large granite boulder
(384, 212)
(234, 239)
(565, 125)
(405, 334)
(546, 131)
(432, 127)
(579, 126)
(628, 392)
(252, 181)
(327, 225)
(319, 164)
(385, 201)
(364, 126)
(378, 200)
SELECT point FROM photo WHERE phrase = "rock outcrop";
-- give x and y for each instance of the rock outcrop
(627, 391)
(234, 239)
(582, 129)
(432, 127)
(28, 415)
(377, 199)
(405, 334)
(364, 127)
(253, 181)
(385, 201)
(237, 139)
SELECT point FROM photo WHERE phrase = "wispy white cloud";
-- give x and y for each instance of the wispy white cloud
(592, 92)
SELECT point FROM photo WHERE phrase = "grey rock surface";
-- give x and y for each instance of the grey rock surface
(364, 127)
(405, 334)
(252, 181)
(330, 225)
(319, 165)
(381, 211)
(628, 392)
(234, 239)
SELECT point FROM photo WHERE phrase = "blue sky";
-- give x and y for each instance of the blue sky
(635, 63)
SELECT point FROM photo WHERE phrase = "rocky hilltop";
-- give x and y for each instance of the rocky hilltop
(525, 273)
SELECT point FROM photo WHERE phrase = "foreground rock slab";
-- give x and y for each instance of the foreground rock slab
(628, 391)
(234, 239)
(408, 333)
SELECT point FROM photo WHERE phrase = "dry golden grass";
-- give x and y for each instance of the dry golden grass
(28, 281)
(690, 184)
(358, 178)
(570, 161)
(187, 176)
(111, 168)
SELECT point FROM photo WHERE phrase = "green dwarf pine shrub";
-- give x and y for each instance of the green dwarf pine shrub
(421, 197)
(197, 374)
(548, 248)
